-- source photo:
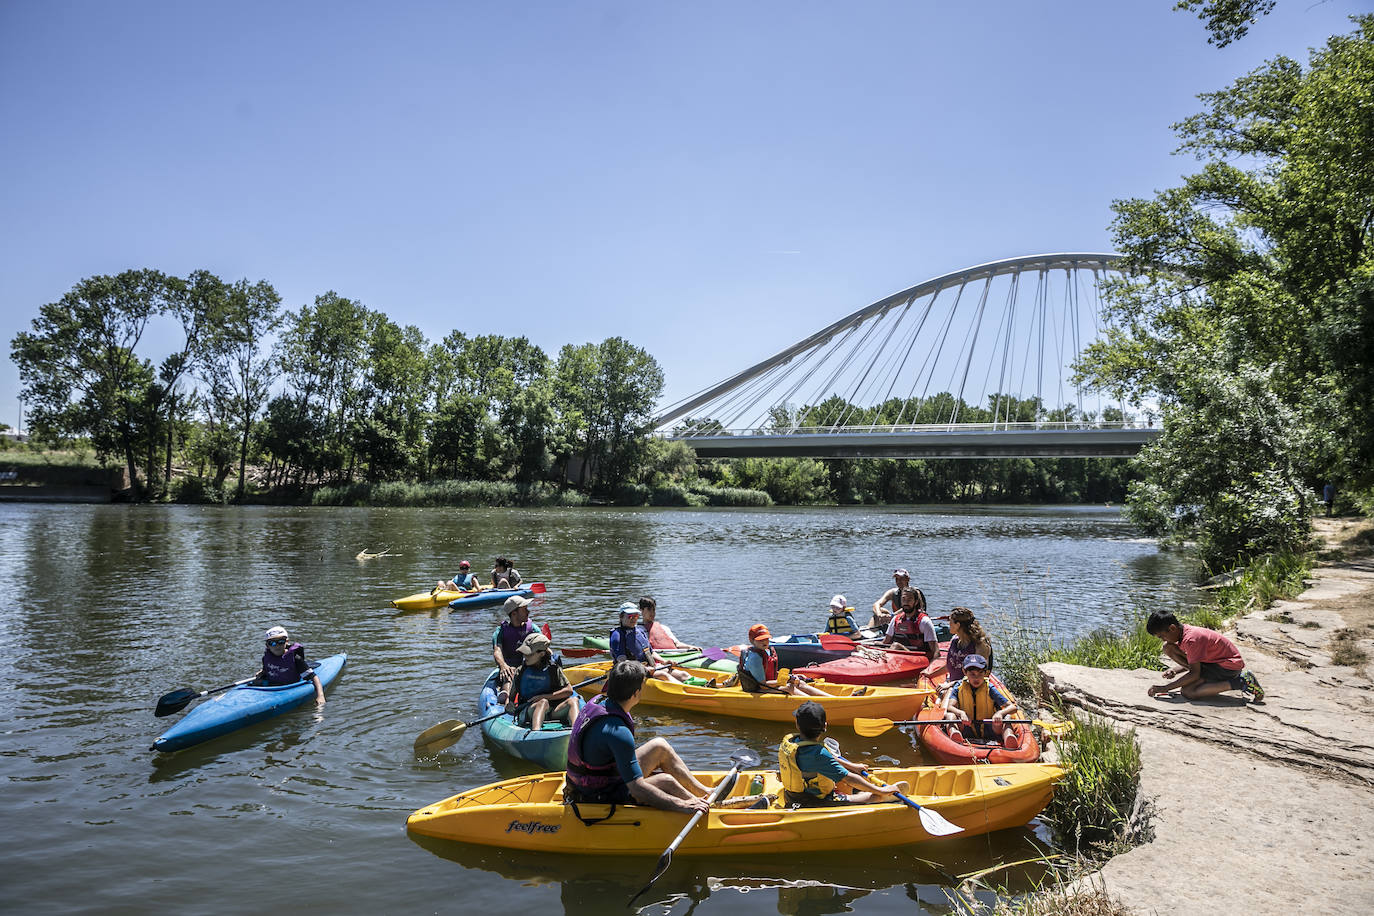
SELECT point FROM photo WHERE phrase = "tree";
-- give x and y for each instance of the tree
(1227, 20)
(605, 394)
(77, 367)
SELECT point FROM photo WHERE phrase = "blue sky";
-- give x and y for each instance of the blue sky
(711, 181)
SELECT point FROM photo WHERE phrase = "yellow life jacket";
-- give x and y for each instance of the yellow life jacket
(978, 704)
(794, 778)
(842, 624)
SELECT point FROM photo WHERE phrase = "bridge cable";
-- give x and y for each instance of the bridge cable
(971, 340)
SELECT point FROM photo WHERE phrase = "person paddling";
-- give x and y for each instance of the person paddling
(462, 581)
(540, 689)
(979, 707)
(283, 662)
(811, 774)
(758, 668)
(605, 767)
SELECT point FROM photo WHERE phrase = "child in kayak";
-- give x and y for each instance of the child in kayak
(462, 581)
(758, 668)
(541, 690)
(283, 662)
(811, 774)
(1207, 663)
(841, 619)
(979, 707)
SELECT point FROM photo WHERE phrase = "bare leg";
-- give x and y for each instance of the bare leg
(658, 755)
(566, 712)
(1201, 689)
(538, 710)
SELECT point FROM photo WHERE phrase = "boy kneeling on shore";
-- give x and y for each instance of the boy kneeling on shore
(1207, 662)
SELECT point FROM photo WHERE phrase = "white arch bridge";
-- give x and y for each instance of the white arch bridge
(972, 364)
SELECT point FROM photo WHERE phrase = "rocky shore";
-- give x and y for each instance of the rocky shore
(1257, 808)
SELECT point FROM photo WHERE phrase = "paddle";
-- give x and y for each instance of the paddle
(933, 822)
(437, 737)
(742, 758)
(176, 700)
(871, 728)
(836, 641)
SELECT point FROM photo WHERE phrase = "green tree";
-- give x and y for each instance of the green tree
(1227, 20)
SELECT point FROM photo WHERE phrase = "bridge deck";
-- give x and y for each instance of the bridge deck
(944, 442)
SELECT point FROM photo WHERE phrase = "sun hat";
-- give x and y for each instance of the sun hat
(535, 643)
(514, 603)
(465, 565)
(838, 603)
(629, 607)
(276, 633)
(975, 661)
(901, 572)
(758, 631)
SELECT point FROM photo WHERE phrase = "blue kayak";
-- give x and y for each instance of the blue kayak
(547, 747)
(244, 705)
(489, 596)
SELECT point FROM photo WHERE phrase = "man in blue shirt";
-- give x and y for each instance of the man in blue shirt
(604, 766)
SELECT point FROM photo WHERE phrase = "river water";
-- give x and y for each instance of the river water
(108, 607)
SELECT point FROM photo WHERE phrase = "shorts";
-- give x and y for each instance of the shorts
(616, 795)
(1211, 671)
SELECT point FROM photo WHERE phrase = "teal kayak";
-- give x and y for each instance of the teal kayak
(243, 705)
(547, 747)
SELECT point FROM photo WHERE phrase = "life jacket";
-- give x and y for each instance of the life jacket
(511, 575)
(907, 629)
(465, 583)
(978, 705)
(511, 638)
(794, 778)
(531, 682)
(284, 670)
(770, 669)
(657, 638)
(582, 776)
(631, 645)
(845, 625)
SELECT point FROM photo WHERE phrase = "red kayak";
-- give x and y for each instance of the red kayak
(871, 665)
(943, 747)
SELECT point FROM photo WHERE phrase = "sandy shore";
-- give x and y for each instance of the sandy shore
(1258, 808)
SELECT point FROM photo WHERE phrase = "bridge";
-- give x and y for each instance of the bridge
(976, 363)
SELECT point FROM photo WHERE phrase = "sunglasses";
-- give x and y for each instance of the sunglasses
(276, 642)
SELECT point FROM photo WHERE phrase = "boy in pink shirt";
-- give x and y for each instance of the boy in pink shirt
(1208, 663)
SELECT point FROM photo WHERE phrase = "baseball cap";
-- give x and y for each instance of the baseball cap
(276, 633)
(810, 716)
(535, 643)
(465, 565)
(629, 607)
(758, 631)
(514, 603)
(838, 603)
(975, 661)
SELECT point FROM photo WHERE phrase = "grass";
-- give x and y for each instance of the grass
(446, 493)
(1345, 649)
(1062, 900)
(1090, 812)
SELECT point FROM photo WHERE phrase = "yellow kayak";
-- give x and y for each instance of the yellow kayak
(844, 703)
(428, 601)
(528, 813)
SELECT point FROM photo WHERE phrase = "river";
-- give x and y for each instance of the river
(111, 606)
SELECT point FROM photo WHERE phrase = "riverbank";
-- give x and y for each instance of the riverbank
(1257, 808)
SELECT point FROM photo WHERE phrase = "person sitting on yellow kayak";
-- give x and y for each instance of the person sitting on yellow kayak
(811, 773)
(979, 707)
(283, 662)
(912, 627)
(841, 618)
(630, 641)
(605, 767)
(462, 581)
(541, 690)
(758, 668)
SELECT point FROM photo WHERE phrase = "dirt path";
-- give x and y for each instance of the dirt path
(1259, 808)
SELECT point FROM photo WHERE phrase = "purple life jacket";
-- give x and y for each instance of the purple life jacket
(511, 638)
(284, 670)
(583, 777)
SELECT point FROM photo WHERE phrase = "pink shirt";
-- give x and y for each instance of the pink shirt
(1200, 644)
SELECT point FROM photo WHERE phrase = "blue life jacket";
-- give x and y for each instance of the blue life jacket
(466, 582)
(531, 682)
(633, 644)
(582, 776)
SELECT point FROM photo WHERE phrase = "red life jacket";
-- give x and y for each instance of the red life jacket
(770, 669)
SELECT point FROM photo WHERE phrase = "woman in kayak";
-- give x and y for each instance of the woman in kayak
(758, 668)
(283, 662)
(811, 773)
(967, 637)
(841, 619)
(504, 574)
(629, 640)
(462, 581)
(912, 627)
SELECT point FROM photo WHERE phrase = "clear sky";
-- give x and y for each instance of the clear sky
(710, 180)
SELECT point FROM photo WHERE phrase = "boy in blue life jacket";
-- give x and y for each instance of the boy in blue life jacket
(979, 707)
(283, 662)
(811, 774)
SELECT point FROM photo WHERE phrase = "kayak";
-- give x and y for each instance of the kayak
(871, 665)
(244, 705)
(547, 747)
(427, 601)
(806, 649)
(942, 745)
(528, 813)
(688, 658)
(488, 596)
(843, 703)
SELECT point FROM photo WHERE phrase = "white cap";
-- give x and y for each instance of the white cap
(276, 633)
(838, 603)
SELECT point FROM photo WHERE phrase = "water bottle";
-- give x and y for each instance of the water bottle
(756, 784)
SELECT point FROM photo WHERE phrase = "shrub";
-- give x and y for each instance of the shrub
(1092, 805)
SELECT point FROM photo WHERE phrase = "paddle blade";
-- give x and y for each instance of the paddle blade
(174, 702)
(548, 634)
(872, 728)
(1056, 728)
(437, 737)
(537, 588)
(933, 822)
(836, 641)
